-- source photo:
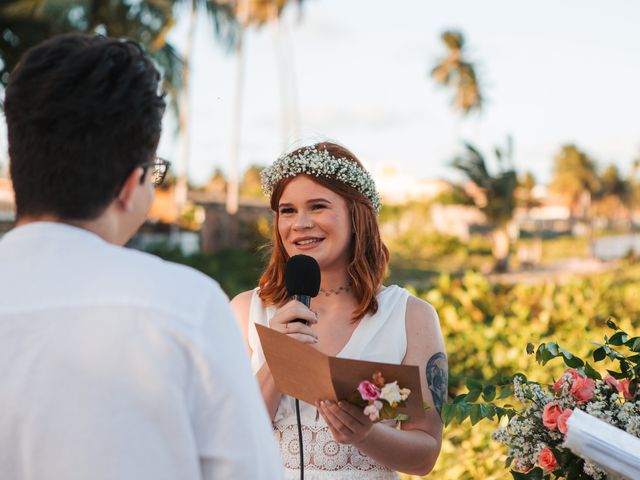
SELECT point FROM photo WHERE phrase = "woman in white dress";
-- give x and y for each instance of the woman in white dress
(326, 206)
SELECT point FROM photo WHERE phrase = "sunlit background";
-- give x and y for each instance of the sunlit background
(503, 137)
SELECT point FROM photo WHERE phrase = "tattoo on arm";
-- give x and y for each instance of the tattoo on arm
(438, 379)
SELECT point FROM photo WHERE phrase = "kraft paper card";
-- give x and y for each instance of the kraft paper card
(304, 373)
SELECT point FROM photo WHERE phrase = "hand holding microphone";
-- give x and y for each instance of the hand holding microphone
(302, 280)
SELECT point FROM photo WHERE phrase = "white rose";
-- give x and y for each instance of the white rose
(391, 393)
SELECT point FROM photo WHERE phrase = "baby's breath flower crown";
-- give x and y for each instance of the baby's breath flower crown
(320, 163)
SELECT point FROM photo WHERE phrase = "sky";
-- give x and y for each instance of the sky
(552, 73)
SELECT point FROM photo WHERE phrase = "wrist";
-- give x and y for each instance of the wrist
(366, 441)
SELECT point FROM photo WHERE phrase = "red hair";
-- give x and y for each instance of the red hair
(369, 255)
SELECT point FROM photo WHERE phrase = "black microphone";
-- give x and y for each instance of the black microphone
(302, 279)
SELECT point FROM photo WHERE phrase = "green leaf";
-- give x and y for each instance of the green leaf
(534, 474)
(611, 324)
(460, 398)
(505, 392)
(618, 338)
(553, 348)
(448, 412)
(590, 372)
(599, 354)
(462, 412)
(401, 417)
(617, 375)
(489, 393)
(530, 348)
(573, 362)
(356, 399)
(473, 395)
(426, 405)
(539, 353)
(487, 411)
(473, 384)
(636, 345)
(624, 368)
(475, 414)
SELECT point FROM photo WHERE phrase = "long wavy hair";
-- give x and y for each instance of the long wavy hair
(369, 255)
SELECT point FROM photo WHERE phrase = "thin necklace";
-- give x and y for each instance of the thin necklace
(335, 291)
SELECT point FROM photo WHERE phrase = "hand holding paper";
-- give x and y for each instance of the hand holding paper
(305, 373)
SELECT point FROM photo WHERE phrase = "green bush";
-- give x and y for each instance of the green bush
(487, 328)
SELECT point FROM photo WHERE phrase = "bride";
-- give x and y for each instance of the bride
(326, 206)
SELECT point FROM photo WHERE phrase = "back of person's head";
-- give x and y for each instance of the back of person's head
(82, 112)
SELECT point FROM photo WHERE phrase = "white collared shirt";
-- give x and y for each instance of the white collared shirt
(117, 365)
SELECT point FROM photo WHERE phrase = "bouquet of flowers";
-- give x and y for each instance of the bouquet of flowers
(380, 400)
(535, 434)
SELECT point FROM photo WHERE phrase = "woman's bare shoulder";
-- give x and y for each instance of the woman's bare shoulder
(240, 305)
(421, 315)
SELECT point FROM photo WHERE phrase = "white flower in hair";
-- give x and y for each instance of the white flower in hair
(320, 163)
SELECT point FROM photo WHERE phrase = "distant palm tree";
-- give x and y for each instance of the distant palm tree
(575, 178)
(453, 70)
(614, 199)
(497, 195)
(225, 27)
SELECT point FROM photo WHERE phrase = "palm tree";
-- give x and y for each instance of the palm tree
(575, 178)
(453, 70)
(497, 195)
(225, 26)
(25, 23)
(248, 13)
(615, 196)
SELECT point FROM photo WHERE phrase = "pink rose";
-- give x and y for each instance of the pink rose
(550, 415)
(583, 388)
(561, 381)
(368, 390)
(612, 382)
(624, 389)
(563, 419)
(547, 460)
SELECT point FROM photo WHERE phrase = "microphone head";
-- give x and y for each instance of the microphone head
(302, 276)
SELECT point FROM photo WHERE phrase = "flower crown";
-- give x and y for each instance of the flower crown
(320, 163)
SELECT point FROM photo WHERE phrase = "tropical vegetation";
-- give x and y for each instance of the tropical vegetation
(454, 70)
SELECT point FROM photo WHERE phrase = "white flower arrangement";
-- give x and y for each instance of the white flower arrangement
(320, 163)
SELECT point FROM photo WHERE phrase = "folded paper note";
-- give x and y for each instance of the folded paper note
(309, 375)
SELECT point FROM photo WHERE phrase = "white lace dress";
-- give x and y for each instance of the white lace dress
(382, 338)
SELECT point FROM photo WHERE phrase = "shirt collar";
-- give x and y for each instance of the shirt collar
(50, 229)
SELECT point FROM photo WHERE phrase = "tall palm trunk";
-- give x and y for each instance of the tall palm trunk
(233, 184)
(183, 117)
(500, 248)
(282, 81)
(290, 116)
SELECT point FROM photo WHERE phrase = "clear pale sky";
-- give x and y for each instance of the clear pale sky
(552, 72)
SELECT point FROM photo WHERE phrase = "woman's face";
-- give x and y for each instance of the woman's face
(314, 221)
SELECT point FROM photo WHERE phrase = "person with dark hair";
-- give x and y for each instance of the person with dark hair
(115, 364)
(326, 205)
